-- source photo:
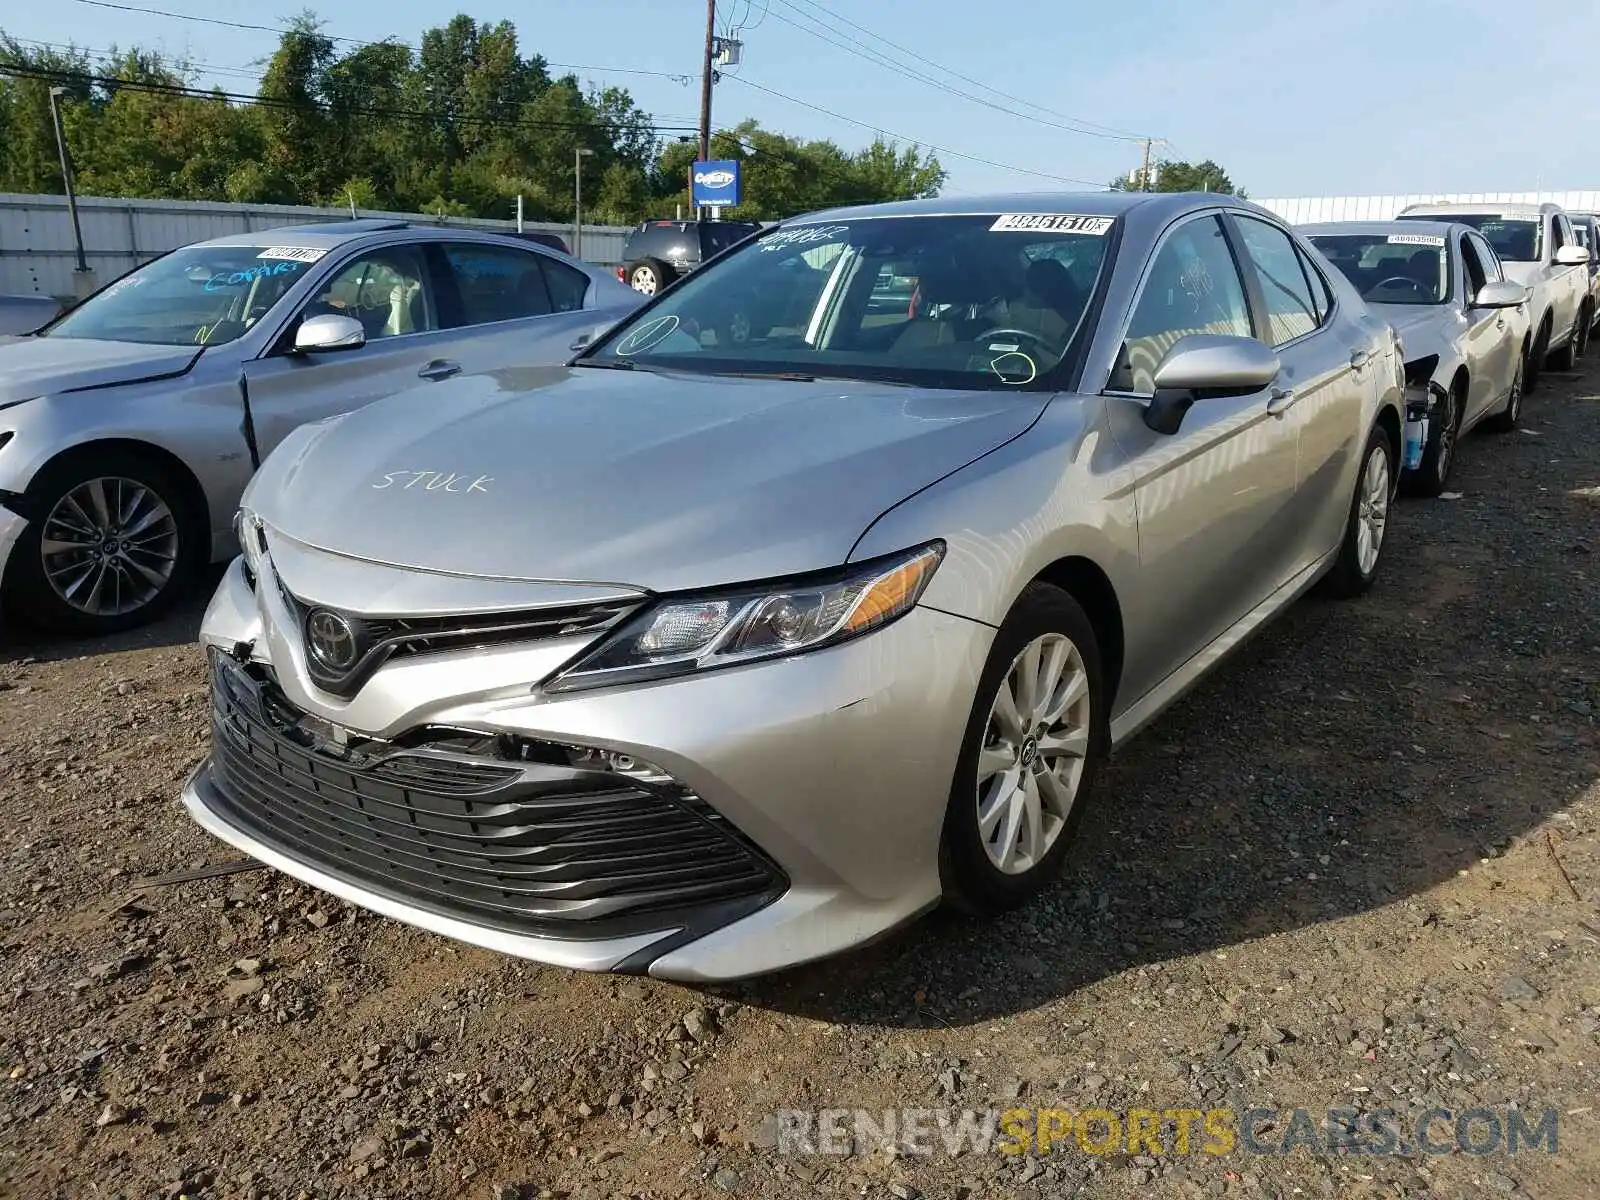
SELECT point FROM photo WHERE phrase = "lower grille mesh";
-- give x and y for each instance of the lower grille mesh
(555, 850)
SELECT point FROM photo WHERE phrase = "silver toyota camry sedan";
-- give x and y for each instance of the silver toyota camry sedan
(741, 641)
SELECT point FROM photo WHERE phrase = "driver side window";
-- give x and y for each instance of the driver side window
(1193, 286)
(386, 290)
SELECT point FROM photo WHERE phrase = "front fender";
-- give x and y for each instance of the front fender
(1059, 490)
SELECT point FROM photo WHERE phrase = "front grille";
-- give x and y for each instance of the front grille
(541, 847)
(379, 639)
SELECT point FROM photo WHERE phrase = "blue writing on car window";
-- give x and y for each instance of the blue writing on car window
(223, 280)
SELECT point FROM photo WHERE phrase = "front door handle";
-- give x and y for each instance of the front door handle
(440, 368)
(1359, 359)
(1282, 400)
(1499, 322)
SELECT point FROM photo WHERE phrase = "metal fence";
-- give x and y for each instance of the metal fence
(37, 255)
(1303, 210)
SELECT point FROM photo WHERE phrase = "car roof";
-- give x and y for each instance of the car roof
(1485, 210)
(1345, 228)
(1089, 204)
(333, 234)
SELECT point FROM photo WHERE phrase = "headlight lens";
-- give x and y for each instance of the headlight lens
(699, 633)
(247, 528)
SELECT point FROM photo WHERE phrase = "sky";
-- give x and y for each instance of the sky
(1293, 98)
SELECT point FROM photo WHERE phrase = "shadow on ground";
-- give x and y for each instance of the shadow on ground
(178, 628)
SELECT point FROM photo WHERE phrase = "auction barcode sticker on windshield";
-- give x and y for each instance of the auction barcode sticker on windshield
(1415, 239)
(308, 254)
(1052, 223)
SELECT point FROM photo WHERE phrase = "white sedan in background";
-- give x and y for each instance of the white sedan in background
(1465, 329)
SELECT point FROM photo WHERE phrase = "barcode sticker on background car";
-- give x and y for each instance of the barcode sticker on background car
(1051, 223)
(307, 254)
(1415, 239)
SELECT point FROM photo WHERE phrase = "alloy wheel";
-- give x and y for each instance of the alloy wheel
(109, 546)
(1032, 760)
(1372, 512)
(643, 280)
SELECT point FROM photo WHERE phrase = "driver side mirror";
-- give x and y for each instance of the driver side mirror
(328, 332)
(1205, 366)
(1571, 256)
(1502, 293)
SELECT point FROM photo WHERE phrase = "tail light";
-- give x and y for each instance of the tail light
(622, 275)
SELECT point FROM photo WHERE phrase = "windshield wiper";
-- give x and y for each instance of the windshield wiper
(609, 364)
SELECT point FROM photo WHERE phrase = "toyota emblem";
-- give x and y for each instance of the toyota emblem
(332, 640)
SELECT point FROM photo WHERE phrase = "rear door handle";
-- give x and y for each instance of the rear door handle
(440, 368)
(1359, 359)
(1282, 400)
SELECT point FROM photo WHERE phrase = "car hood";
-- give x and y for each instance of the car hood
(657, 481)
(40, 366)
(1422, 327)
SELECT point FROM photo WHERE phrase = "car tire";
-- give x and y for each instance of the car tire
(1366, 529)
(147, 547)
(1564, 358)
(1505, 421)
(1007, 829)
(1439, 451)
(1534, 366)
(649, 275)
(1582, 332)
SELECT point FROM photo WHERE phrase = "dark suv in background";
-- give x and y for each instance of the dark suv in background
(657, 252)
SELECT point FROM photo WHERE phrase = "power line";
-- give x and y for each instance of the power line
(349, 41)
(1067, 123)
(183, 91)
(177, 61)
(941, 150)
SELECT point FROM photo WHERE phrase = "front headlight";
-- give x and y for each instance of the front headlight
(678, 636)
(252, 542)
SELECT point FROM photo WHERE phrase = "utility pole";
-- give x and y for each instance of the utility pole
(1144, 173)
(66, 177)
(578, 156)
(706, 75)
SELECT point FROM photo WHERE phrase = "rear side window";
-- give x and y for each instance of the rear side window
(1321, 294)
(496, 283)
(717, 236)
(567, 286)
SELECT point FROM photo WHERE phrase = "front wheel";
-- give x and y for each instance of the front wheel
(1505, 421)
(1563, 359)
(1439, 451)
(1034, 744)
(111, 545)
(1535, 361)
(1366, 531)
(1583, 332)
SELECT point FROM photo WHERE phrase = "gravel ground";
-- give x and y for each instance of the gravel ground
(1359, 868)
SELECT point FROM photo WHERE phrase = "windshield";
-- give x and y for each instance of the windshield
(1513, 241)
(197, 296)
(944, 302)
(1392, 268)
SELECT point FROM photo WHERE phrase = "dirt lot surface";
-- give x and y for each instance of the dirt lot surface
(1359, 869)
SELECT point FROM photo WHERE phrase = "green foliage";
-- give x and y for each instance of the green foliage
(1173, 176)
(459, 126)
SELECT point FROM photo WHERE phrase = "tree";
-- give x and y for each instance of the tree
(462, 125)
(1175, 176)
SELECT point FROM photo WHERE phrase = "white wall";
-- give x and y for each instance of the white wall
(36, 244)
(1303, 210)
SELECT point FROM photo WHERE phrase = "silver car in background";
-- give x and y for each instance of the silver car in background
(24, 314)
(1536, 248)
(1464, 328)
(129, 427)
(705, 657)
(1586, 228)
